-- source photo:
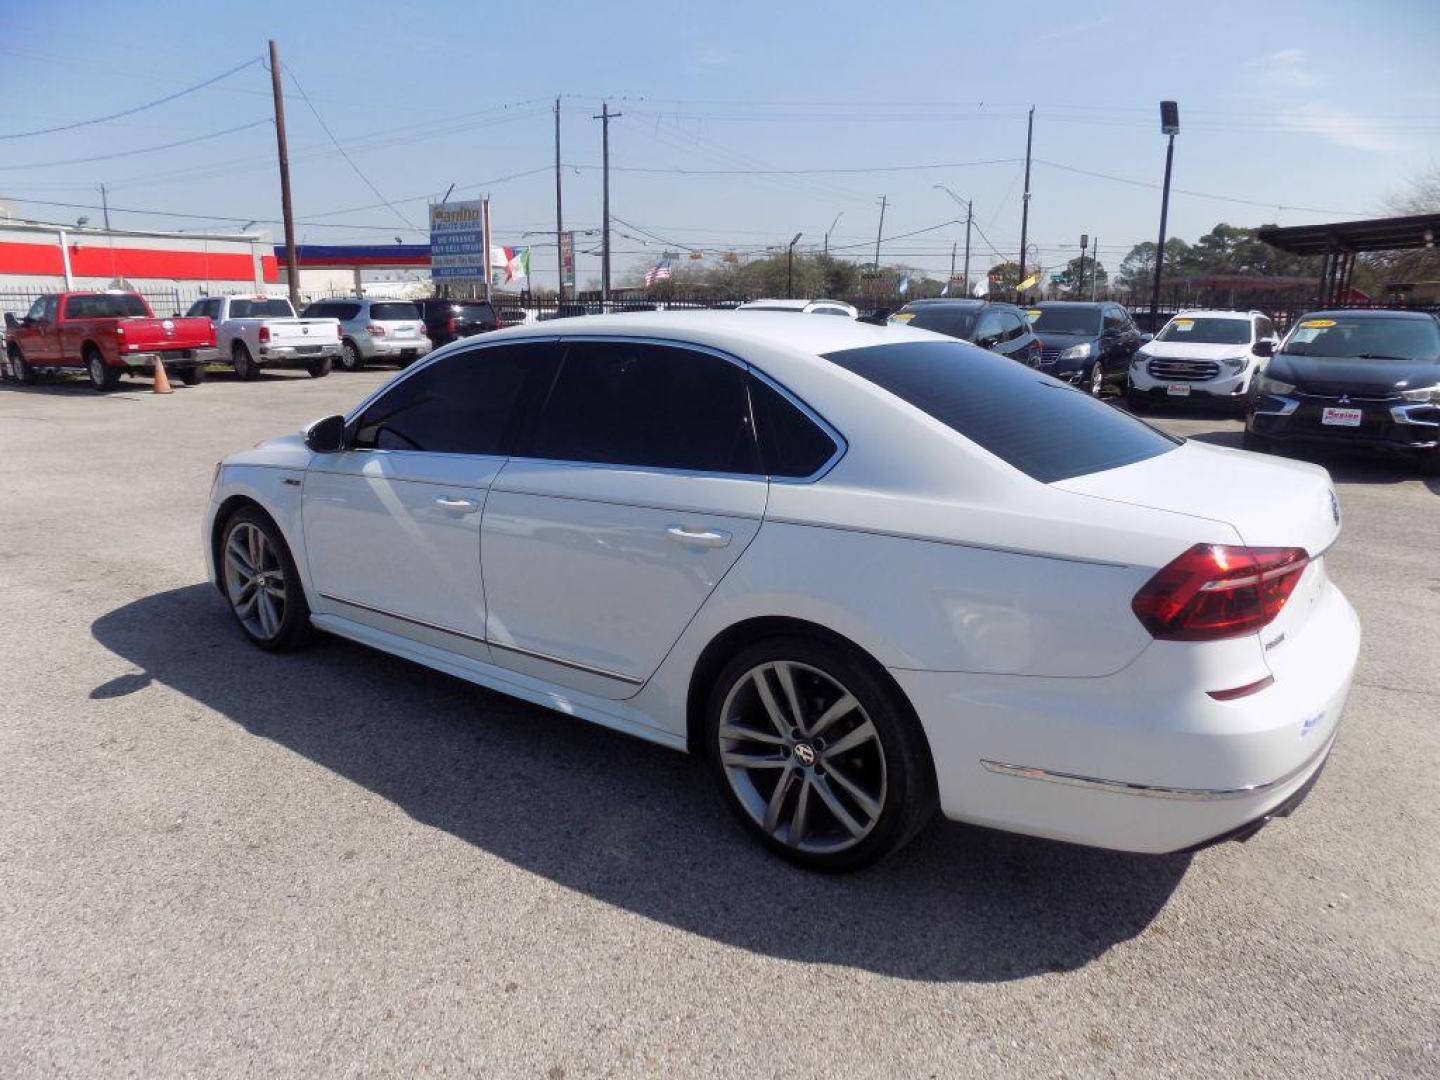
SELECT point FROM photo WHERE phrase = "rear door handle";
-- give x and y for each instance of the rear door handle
(457, 506)
(698, 537)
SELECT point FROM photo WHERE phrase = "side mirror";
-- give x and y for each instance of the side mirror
(1264, 348)
(326, 436)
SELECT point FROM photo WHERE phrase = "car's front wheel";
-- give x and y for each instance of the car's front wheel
(350, 358)
(24, 374)
(262, 583)
(1095, 380)
(817, 755)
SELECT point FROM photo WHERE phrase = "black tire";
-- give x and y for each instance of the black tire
(1430, 463)
(896, 763)
(1095, 380)
(24, 374)
(291, 628)
(193, 376)
(350, 358)
(1136, 402)
(103, 377)
(245, 367)
(319, 368)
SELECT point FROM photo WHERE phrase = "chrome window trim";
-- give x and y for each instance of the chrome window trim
(1156, 791)
(481, 640)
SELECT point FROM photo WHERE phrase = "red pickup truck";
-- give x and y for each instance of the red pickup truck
(106, 335)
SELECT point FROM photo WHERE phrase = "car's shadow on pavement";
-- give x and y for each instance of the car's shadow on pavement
(633, 824)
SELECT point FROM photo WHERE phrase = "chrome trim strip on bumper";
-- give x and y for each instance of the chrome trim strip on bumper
(1155, 791)
(505, 646)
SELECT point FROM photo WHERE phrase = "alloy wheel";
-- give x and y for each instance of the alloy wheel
(97, 371)
(803, 757)
(1097, 381)
(255, 581)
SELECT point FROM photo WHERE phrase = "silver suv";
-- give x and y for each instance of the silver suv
(390, 330)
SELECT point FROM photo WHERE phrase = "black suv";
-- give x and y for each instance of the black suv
(448, 320)
(1353, 378)
(1001, 328)
(1085, 344)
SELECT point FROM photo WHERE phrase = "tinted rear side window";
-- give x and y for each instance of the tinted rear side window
(647, 405)
(1040, 426)
(791, 444)
(460, 405)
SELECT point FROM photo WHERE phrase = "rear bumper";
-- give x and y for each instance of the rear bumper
(371, 348)
(1138, 760)
(1388, 425)
(171, 358)
(297, 354)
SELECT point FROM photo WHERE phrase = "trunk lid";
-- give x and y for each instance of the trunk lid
(1270, 502)
(301, 332)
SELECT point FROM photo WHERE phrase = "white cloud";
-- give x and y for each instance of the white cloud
(1340, 127)
(1290, 69)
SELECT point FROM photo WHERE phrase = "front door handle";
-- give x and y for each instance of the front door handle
(698, 537)
(457, 506)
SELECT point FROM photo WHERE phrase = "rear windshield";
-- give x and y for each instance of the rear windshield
(477, 312)
(1364, 337)
(118, 306)
(1041, 426)
(260, 309)
(1059, 320)
(1206, 331)
(392, 311)
(956, 322)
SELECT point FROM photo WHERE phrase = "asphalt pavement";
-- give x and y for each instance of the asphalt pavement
(218, 862)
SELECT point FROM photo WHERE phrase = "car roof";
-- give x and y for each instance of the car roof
(1216, 313)
(958, 301)
(1367, 313)
(1073, 303)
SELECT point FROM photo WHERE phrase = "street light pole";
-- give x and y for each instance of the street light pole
(790, 267)
(1025, 199)
(880, 229)
(830, 230)
(1169, 125)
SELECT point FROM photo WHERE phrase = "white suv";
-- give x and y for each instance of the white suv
(1203, 356)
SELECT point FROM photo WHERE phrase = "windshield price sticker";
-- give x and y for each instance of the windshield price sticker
(902, 316)
(1317, 324)
(1184, 324)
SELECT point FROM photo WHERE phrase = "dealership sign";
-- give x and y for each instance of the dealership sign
(457, 242)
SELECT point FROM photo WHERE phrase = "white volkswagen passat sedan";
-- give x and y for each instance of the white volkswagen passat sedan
(861, 570)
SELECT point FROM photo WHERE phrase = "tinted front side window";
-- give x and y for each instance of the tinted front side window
(1042, 427)
(460, 405)
(791, 444)
(647, 405)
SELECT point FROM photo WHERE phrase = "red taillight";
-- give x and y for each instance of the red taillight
(451, 324)
(375, 330)
(1215, 591)
(264, 334)
(338, 334)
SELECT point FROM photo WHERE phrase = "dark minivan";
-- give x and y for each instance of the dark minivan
(1087, 344)
(1001, 328)
(448, 320)
(1353, 378)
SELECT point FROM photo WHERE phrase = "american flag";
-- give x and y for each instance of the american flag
(660, 271)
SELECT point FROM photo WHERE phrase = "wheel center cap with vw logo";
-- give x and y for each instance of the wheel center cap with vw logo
(805, 753)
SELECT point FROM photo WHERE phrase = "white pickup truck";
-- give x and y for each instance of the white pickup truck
(252, 332)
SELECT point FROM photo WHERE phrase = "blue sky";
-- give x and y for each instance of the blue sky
(1306, 111)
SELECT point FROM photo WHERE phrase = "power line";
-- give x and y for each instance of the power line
(132, 111)
(803, 172)
(204, 217)
(141, 150)
(348, 160)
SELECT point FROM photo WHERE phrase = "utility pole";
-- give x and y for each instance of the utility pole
(1025, 199)
(830, 230)
(559, 217)
(880, 229)
(1079, 286)
(790, 267)
(969, 217)
(292, 262)
(1169, 125)
(605, 117)
(105, 205)
(954, 248)
(1095, 270)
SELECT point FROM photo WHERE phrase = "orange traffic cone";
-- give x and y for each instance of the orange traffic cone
(162, 381)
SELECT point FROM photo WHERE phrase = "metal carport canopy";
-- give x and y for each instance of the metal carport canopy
(1376, 234)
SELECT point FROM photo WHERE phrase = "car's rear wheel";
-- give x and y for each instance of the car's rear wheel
(193, 376)
(262, 583)
(319, 368)
(817, 756)
(102, 376)
(24, 374)
(350, 358)
(244, 364)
